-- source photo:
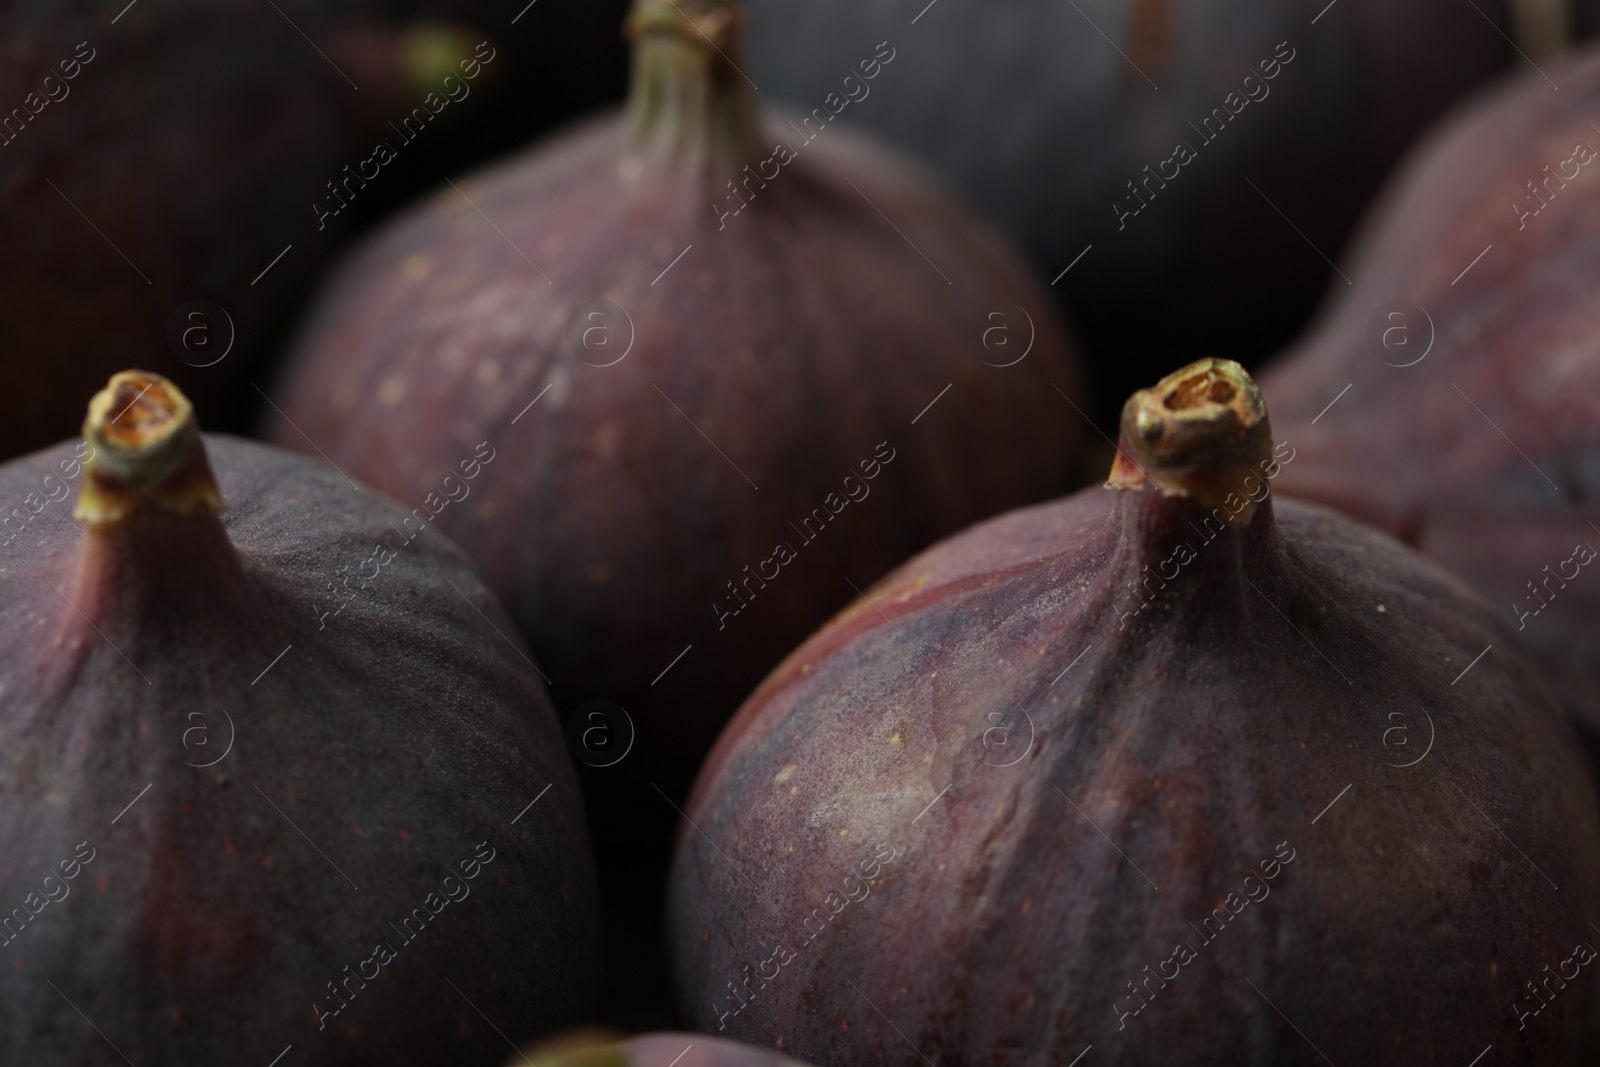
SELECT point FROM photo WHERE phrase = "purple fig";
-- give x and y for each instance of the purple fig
(160, 164)
(271, 776)
(1172, 769)
(1451, 395)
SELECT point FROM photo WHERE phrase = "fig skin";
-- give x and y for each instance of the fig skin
(792, 346)
(396, 739)
(953, 879)
(649, 1050)
(1485, 454)
(1041, 123)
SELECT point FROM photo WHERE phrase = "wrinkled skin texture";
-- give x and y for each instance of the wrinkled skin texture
(798, 339)
(195, 139)
(1040, 121)
(882, 786)
(1486, 454)
(396, 739)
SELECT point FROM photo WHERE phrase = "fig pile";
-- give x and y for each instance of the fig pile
(668, 627)
(1174, 769)
(228, 828)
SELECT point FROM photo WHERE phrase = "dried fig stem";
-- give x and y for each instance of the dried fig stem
(1199, 433)
(690, 100)
(146, 452)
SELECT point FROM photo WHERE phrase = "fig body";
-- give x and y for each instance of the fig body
(236, 819)
(1064, 123)
(1467, 420)
(1175, 771)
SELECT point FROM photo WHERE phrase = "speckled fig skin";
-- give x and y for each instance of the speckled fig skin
(141, 719)
(883, 785)
(792, 346)
(649, 1050)
(1486, 454)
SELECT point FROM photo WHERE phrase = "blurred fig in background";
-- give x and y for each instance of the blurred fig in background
(261, 770)
(1451, 396)
(555, 59)
(735, 373)
(1150, 769)
(1270, 116)
(157, 166)
(648, 1050)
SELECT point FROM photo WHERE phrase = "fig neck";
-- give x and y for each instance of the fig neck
(1193, 473)
(149, 505)
(690, 103)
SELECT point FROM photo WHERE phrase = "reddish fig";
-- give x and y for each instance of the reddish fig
(234, 819)
(157, 165)
(1451, 395)
(1048, 115)
(649, 1050)
(737, 371)
(1172, 769)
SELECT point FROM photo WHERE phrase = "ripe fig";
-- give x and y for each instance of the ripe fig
(649, 1050)
(1450, 395)
(1172, 769)
(1047, 115)
(235, 821)
(158, 171)
(696, 393)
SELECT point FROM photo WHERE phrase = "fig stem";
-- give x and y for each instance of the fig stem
(145, 450)
(1201, 432)
(689, 97)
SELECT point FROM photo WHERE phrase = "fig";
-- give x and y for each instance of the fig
(159, 171)
(1450, 395)
(235, 820)
(1273, 124)
(1009, 805)
(597, 1049)
(723, 417)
